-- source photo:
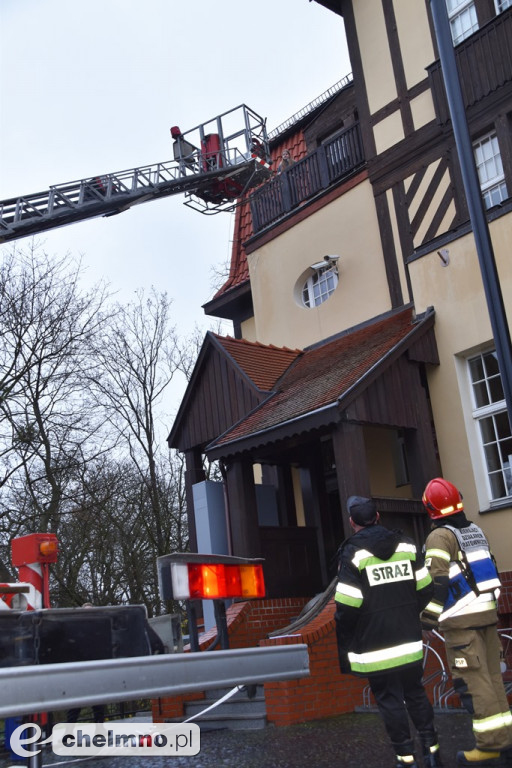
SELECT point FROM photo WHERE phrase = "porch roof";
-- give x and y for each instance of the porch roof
(323, 380)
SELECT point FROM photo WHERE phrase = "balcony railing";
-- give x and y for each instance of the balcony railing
(333, 161)
(484, 63)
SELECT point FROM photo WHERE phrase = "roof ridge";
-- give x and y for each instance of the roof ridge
(258, 344)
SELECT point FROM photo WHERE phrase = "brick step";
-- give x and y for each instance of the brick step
(239, 712)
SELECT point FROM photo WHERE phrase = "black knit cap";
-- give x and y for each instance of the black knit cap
(363, 511)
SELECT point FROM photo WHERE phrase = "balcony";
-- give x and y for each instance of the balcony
(484, 63)
(329, 164)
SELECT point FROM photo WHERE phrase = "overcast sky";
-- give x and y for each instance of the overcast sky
(93, 86)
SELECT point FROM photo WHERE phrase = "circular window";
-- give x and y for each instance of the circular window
(319, 285)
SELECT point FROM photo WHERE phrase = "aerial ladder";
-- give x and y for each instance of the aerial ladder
(213, 165)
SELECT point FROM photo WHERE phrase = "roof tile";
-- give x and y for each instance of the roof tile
(263, 364)
(323, 374)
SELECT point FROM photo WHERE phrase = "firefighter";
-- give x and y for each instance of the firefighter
(466, 587)
(382, 588)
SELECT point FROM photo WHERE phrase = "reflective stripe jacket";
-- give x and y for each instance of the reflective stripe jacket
(382, 587)
(466, 582)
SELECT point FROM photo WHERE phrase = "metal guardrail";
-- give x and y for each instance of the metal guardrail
(50, 687)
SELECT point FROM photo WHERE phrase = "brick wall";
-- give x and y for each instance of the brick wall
(326, 691)
(248, 623)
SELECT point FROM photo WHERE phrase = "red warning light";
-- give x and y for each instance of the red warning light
(214, 581)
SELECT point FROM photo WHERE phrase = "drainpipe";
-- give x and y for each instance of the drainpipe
(472, 190)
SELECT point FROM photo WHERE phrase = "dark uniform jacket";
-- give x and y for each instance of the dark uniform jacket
(382, 587)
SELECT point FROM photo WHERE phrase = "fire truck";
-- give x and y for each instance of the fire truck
(213, 165)
(54, 658)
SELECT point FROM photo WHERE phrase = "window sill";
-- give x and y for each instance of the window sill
(497, 506)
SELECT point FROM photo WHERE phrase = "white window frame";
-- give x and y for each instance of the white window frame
(502, 5)
(463, 19)
(319, 286)
(494, 475)
(490, 169)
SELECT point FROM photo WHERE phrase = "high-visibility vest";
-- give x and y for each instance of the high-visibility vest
(473, 578)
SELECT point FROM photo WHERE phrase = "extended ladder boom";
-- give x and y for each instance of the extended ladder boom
(212, 169)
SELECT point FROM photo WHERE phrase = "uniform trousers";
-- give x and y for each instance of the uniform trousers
(474, 660)
(399, 694)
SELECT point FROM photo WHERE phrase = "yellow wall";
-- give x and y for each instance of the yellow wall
(422, 108)
(249, 329)
(379, 454)
(373, 42)
(463, 327)
(347, 227)
(416, 52)
(415, 46)
(388, 132)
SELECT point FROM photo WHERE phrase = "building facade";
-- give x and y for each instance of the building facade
(362, 359)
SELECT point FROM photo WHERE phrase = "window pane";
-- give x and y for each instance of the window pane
(492, 457)
(481, 395)
(502, 5)
(490, 360)
(498, 489)
(508, 478)
(496, 389)
(503, 429)
(476, 368)
(487, 430)
(495, 195)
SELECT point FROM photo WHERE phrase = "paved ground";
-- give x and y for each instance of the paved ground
(348, 741)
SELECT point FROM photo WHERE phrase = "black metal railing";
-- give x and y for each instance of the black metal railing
(306, 178)
(484, 64)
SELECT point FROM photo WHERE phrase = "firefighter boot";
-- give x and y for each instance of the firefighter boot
(405, 755)
(406, 761)
(478, 758)
(431, 756)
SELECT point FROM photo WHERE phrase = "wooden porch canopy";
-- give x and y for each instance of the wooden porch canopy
(250, 403)
(244, 396)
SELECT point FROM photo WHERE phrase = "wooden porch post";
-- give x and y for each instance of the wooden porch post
(194, 473)
(351, 466)
(243, 512)
(422, 457)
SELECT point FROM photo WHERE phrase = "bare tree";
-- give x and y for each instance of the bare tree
(137, 353)
(81, 449)
(49, 429)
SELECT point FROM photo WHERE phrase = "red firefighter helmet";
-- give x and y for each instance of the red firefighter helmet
(441, 498)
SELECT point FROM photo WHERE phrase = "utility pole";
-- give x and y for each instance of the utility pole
(473, 193)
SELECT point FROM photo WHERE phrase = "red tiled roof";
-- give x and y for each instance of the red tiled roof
(263, 364)
(239, 271)
(323, 374)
